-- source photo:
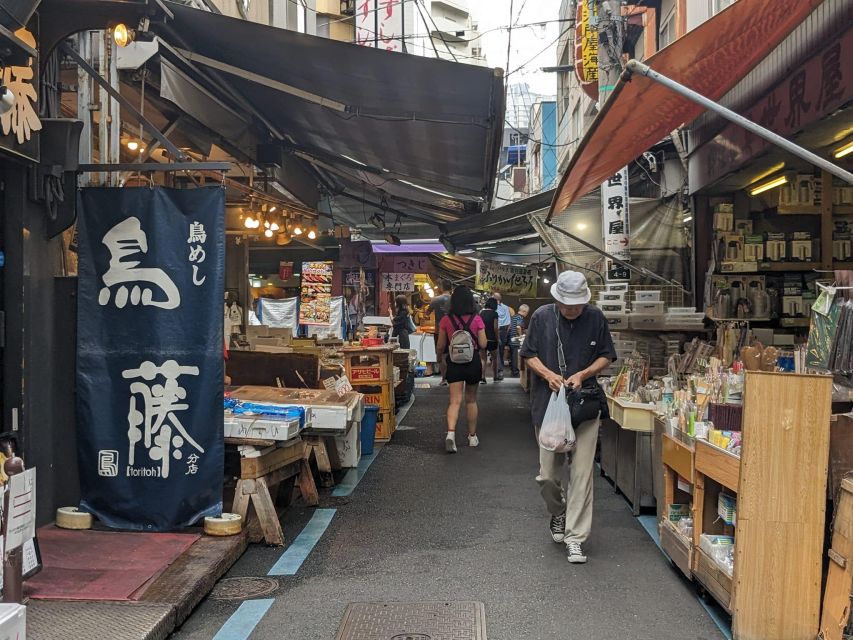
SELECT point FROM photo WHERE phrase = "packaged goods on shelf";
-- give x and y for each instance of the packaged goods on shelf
(645, 322)
(617, 286)
(617, 320)
(652, 307)
(727, 508)
(649, 295)
(612, 306)
(611, 296)
(721, 549)
(676, 512)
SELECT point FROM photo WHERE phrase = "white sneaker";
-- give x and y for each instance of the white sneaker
(558, 527)
(450, 442)
(473, 441)
(574, 553)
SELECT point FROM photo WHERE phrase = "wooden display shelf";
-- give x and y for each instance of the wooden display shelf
(677, 547)
(633, 416)
(780, 483)
(677, 459)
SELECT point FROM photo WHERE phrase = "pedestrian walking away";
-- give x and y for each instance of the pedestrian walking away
(568, 343)
(438, 306)
(516, 331)
(504, 322)
(461, 336)
(490, 320)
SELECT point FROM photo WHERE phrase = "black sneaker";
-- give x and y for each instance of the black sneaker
(574, 553)
(558, 527)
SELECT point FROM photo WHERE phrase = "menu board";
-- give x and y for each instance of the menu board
(315, 297)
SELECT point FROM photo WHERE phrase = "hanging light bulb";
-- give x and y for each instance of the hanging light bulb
(266, 224)
(297, 229)
(133, 145)
(312, 235)
(249, 222)
(268, 233)
(274, 226)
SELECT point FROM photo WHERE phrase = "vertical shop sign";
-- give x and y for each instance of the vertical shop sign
(616, 224)
(149, 355)
(586, 46)
(398, 282)
(315, 293)
(285, 270)
(380, 24)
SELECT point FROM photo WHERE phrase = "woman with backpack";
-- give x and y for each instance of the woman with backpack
(461, 335)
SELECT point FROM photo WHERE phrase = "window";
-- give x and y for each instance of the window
(301, 16)
(575, 131)
(667, 29)
(715, 6)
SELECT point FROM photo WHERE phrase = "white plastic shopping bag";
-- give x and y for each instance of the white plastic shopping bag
(557, 433)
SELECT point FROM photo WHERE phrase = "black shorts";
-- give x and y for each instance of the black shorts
(470, 373)
(492, 345)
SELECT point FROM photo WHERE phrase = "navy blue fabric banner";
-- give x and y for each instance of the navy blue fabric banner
(150, 355)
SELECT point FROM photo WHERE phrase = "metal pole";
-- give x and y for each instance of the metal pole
(635, 66)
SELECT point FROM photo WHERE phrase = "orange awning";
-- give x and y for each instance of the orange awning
(711, 60)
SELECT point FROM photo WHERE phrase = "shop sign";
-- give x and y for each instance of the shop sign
(315, 295)
(398, 282)
(285, 270)
(507, 279)
(616, 224)
(409, 264)
(149, 355)
(819, 87)
(21, 518)
(19, 125)
(353, 278)
(586, 47)
(379, 23)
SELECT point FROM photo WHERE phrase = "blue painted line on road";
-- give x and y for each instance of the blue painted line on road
(650, 524)
(293, 557)
(243, 621)
(354, 476)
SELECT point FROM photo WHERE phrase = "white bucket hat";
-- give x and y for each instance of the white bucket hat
(571, 288)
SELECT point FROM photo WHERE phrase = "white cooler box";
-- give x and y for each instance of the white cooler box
(330, 413)
(13, 622)
(263, 427)
(349, 446)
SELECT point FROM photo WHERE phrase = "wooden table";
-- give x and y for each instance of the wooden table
(259, 480)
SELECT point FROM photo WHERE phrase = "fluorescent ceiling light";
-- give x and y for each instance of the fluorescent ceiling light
(772, 184)
(840, 152)
(687, 219)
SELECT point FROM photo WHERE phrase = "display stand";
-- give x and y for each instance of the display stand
(258, 482)
(677, 460)
(626, 451)
(780, 483)
(371, 371)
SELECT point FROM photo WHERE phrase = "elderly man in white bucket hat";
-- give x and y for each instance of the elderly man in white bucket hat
(568, 343)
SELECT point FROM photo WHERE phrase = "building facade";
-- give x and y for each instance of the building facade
(541, 147)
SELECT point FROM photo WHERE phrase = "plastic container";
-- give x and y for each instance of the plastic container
(368, 428)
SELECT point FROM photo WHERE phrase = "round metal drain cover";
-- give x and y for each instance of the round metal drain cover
(244, 588)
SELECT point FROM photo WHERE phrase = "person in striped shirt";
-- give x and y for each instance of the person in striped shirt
(516, 330)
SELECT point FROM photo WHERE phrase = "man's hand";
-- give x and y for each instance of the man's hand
(555, 381)
(575, 381)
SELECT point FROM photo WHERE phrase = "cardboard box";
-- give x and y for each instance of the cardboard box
(792, 306)
(801, 250)
(724, 221)
(776, 250)
(743, 227)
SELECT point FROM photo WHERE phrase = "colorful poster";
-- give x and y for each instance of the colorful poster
(398, 282)
(507, 279)
(315, 294)
(149, 355)
(615, 224)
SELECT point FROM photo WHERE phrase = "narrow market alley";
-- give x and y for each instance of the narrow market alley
(425, 526)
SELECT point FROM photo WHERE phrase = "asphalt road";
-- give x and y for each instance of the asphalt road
(427, 526)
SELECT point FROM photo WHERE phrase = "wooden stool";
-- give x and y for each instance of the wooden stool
(325, 452)
(259, 478)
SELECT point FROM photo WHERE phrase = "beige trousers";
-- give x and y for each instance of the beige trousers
(575, 498)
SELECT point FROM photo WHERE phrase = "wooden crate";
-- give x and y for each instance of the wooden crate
(713, 578)
(369, 365)
(386, 425)
(678, 548)
(839, 580)
(380, 394)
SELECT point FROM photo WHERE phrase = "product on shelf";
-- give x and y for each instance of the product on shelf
(721, 549)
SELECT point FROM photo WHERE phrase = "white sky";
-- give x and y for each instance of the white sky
(526, 42)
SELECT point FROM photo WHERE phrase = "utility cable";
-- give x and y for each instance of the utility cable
(441, 35)
(431, 39)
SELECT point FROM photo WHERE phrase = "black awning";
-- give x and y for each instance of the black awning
(508, 222)
(399, 117)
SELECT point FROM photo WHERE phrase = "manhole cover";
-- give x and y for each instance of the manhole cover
(244, 588)
(413, 621)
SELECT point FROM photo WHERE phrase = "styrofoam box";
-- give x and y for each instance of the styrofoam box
(679, 311)
(611, 307)
(619, 286)
(647, 296)
(615, 296)
(617, 320)
(651, 308)
(261, 427)
(349, 446)
(13, 622)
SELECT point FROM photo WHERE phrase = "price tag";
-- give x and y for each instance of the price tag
(329, 384)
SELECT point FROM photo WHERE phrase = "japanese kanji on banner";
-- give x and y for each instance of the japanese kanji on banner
(149, 355)
(398, 282)
(616, 225)
(507, 279)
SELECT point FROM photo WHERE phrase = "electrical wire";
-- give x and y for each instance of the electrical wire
(431, 39)
(508, 49)
(441, 35)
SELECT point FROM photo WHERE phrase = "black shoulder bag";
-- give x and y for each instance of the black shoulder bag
(584, 403)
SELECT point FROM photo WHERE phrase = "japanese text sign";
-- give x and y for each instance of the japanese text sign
(315, 296)
(398, 282)
(379, 23)
(616, 224)
(149, 355)
(586, 42)
(507, 279)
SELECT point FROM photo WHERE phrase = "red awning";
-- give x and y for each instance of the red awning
(711, 60)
